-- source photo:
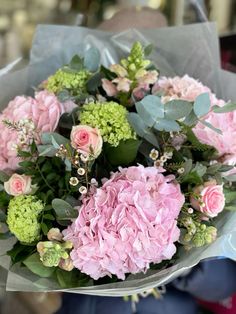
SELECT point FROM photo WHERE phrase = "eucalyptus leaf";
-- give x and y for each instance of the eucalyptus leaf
(188, 166)
(4, 177)
(141, 129)
(63, 210)
(202, 105)
(148, 50)
(124, 153)
(167, 125)
(230, 196)
(230, 178)
(94, 82)
(92, 59)
(50, 138)
(191, 119)
(227, 108)
(177, 109)
(150, 108)
(76, 63)
(34, 264)
(200, 169)
(231, 208)
(210, 126)
(46, 150)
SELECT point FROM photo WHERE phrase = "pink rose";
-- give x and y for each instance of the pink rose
(123, 84)
(86, 140)
(19, 184)
(211, 199)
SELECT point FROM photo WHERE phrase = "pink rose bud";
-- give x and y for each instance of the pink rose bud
(211, 199)
(109, 88)
(86, 140)
(19, 184)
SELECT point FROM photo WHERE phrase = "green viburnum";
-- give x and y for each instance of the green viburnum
(111, 120)
(22, 217)
(51, 253)
(74, 81)
(204, 235)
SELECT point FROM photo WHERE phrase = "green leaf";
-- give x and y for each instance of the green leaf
(49, 217)
(76, 63)
(70, 279)
(150, 108)
(148, 50)
(23, 154)
(20, 252)
(124, 153)
(50, 138)
(200, 169)
(26, 164)
(47, 150)
(227, 108)
(64, 96)
(188, 166)
(231, 178)
(210, 126)
(230, 196)
(3, 217)
(94, 82)
(202, 105)
(6, 235)
(4, 177)
(192, 178)
(231, 208)
(191, 119)
(44, 228)
(92, 59)
(167, 125)
(177, 109)
(141, 129)
(34, 264)
(64, 210)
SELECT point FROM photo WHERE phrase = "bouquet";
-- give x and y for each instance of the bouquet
(113, 172)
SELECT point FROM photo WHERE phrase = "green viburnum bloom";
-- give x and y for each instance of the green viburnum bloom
(22, 217)
(74, 81)
(204, 235)
(51, 253)
(111, 120)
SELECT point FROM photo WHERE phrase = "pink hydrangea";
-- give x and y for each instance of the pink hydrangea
(44, 110)
(186, 88)
(127, 224)
(224, 143)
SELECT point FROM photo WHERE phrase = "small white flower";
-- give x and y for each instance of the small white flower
(84, 158)
(190, 210)
(163, 159)
(81, 171)
(154, 154)
(83, 190)
(94, 182)
(74, 181)
(181, 170)
(158, 163)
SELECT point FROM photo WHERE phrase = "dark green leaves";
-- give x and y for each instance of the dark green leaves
(148, 50)
(123, 154)
(70, 279)
(3, 216)
(63, 210)
(202, 105)
(34, 264)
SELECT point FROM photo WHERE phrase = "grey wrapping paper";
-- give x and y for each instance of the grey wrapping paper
(191, 50)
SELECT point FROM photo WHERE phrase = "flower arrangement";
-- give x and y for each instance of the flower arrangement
(110, 172)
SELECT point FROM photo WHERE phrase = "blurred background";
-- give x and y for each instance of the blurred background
(18, 19)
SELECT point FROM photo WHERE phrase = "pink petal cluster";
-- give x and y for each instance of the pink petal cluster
(186, 88)
(44, 110)
(127, 224)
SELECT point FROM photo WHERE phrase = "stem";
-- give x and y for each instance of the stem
(44, 179)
